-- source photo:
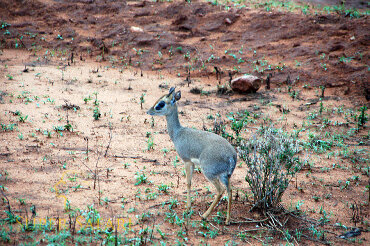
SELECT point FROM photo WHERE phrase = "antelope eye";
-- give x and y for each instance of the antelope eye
(159, 105)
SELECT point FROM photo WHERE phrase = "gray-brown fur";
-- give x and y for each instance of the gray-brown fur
(215, 155)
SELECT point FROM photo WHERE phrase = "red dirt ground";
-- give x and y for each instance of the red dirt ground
(107, 47)
(101, 29)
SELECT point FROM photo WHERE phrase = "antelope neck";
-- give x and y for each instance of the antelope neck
(173, 124)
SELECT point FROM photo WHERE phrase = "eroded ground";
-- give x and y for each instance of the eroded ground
(115, 68)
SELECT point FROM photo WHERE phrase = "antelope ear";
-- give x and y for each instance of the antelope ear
(172, 89)
(177, 95)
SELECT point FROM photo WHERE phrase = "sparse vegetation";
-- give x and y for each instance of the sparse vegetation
(81, 163)
(272, 160)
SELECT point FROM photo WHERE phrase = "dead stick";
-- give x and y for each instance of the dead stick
(125, 156)
(246, 221)
(110, 140)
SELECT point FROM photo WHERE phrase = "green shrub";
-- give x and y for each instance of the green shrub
(271, 157)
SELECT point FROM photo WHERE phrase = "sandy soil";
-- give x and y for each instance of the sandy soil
(100, 61)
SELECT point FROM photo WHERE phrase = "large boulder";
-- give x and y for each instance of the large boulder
(246, 84)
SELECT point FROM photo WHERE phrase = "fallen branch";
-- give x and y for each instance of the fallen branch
(255, 229)
(125, 156)
(110, 140)
(161, 204)
(248, 221)
(148, 160)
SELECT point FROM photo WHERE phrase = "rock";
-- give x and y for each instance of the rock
(228, 21)
(353, 233)
(246, 84)
(136, 29)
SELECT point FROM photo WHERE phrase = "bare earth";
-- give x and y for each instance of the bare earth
(119, 57)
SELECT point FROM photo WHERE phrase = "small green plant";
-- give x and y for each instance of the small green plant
(316, 198)
(4, 235)
(173, 203)
(91, 215)
(150, 144)
(363, 117)
(346, 12)
(67, 206)
(187, 55)
(298, 205)
(11, 217)
(10, 77)
(163, 235)
(238, 122)
(325, 218)
(321, 108)
(96, 113)
(164, 151)
(175, 161)
(294, 94)
(96, 101)
(68, 127)
(86, 99)
(322, 88)
(344, 59)
(48, 133)
(142, 100)
(22, 118)
(4, 25)
(318, 234)
(163, 188)
(22, 201)
(10, 127)
(106, 200)
(152, 122)
(140, 178)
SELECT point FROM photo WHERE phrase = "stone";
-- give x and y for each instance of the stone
(228, 21)
(136, 29)
(246, 84)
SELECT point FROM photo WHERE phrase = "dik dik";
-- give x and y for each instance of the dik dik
(214, 154)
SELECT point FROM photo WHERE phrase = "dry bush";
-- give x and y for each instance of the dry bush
(271, 156)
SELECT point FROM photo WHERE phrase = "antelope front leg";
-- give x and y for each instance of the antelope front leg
(189, 168)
